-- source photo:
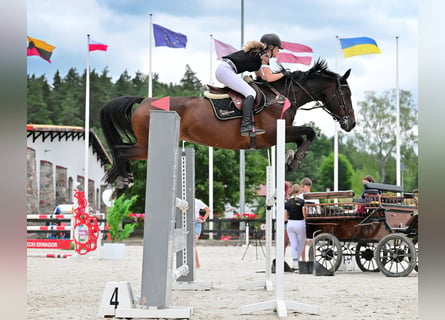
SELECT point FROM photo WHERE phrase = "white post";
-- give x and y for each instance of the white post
(336, 132)
(87, 121)
(279, 304)
(150, 48)
(279, 240)
(211, 153)
(398, 176)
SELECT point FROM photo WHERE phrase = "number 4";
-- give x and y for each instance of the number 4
(114, 301)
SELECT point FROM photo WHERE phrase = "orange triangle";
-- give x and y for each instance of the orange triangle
(163, 103)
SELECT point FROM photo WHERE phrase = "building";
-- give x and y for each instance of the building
(56, 167)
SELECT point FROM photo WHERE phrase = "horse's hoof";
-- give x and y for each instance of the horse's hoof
(289, 157)
(117, 192)
(303, 150)
(295, 164)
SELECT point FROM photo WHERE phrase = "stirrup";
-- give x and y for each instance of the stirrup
(253, 132)
(259, 131)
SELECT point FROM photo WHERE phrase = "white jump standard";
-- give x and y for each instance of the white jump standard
(161, 238)
(279, 304)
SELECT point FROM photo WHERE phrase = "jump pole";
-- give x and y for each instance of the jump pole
(279, 304)
(160, 209)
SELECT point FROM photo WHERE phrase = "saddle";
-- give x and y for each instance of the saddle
(227, 103)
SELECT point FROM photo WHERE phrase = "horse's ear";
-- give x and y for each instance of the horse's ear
(346, 75)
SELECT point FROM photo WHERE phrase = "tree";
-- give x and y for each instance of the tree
(70, 96)
(375, 132)
(38, 109)
(190, 83)
(310, 166)
(345, 172)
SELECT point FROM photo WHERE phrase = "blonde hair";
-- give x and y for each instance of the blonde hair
(254, 45)
(294, 190)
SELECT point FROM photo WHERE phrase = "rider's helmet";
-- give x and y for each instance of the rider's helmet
(271, 39)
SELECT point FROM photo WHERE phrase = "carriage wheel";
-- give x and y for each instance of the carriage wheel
(396, 255)
(364, 257)
(327, 251)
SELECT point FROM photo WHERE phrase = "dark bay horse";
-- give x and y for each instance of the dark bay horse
(126, 131)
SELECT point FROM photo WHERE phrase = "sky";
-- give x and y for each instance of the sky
(124, 25)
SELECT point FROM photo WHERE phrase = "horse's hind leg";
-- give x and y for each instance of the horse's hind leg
(125, 176)
(123, 156)
(129, 173)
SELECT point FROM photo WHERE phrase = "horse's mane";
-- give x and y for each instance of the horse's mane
(320, 66)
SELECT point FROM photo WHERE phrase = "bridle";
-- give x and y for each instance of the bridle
(320, 104)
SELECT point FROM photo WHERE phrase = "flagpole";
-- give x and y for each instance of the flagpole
(87, 120)
(211, 152)
(211, 59)
(336, 127)
(150, 48)
(398, 182)
(242, 155)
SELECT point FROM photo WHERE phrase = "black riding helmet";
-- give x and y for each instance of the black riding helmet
(271, 39)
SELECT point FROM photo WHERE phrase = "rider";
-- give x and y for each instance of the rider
(253, 57)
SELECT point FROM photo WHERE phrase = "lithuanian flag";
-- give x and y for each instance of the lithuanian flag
(39, 48)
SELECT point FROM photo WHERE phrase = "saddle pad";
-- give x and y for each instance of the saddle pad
(225, 109)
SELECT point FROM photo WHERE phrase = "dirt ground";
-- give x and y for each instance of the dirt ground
(72, 288)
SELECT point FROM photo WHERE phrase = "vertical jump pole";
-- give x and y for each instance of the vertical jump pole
(160, 209)
(159, 232)
(279, 304)
(185, 225)
(186, 190)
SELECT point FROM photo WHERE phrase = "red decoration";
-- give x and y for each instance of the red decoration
(86, 227)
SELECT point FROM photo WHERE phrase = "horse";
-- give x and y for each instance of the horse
(126, 130)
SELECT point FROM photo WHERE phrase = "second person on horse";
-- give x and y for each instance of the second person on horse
(253, 57)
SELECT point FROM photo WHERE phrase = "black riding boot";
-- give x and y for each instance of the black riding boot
(246, 122)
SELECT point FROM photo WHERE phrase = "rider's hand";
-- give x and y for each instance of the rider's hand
(287, 73)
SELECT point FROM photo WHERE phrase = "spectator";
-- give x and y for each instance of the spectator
(305, 187)
(200, 206)
(296, 226)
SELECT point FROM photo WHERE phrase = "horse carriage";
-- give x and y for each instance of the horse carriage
(379, 230)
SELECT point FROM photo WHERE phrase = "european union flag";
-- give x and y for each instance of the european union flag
(167, 38)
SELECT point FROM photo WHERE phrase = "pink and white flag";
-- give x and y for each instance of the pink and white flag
(222, 49)
(295, 53)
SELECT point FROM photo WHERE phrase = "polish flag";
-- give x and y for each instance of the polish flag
(94, 45)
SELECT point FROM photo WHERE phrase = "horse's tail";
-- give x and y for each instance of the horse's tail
(115, 120)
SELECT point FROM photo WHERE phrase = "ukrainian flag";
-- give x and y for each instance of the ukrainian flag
(358, 46)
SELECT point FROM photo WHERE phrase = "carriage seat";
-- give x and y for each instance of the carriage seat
(329, 195)
(382, 187)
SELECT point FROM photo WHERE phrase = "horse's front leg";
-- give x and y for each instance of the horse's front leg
(296, 135)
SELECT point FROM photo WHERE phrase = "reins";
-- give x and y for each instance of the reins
(318, 104)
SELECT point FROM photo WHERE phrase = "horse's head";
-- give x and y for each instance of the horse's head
(338, 102)
(320, 84)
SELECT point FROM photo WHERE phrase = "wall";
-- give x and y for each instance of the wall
(55, 168)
